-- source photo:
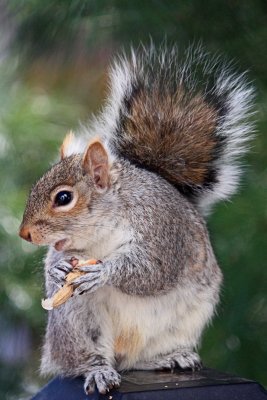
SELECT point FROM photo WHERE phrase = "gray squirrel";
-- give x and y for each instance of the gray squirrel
(165, 148)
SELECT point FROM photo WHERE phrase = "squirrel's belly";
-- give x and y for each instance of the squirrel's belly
(141, 327)
(145, 327)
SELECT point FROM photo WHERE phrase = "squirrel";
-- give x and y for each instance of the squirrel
(132, 190)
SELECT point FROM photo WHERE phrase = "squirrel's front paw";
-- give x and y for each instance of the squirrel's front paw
(95, 277)
(104, 377)
(59, 270)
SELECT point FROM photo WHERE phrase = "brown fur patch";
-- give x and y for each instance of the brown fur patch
(173, 135)
(128, 343)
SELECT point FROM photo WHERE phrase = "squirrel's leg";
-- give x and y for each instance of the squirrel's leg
(75, 347)
(78, 342)
(183, 358)
(74, 350)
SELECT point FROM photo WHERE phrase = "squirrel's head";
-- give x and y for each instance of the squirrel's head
(59, 203)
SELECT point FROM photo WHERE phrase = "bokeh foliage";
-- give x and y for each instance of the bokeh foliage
(52, 77)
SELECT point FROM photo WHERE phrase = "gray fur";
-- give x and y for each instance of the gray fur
(148, 302)
(153, 117)
(165, 249)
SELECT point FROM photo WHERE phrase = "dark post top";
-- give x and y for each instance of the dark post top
(206, 384)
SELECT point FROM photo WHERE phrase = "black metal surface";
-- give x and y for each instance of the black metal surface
(207, 384)
(151, 380)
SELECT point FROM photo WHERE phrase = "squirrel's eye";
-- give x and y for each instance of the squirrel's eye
(63, 198)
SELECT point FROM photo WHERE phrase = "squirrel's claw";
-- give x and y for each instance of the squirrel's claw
(96, 276)
(104, 377)
(58, 272)
(91, 268)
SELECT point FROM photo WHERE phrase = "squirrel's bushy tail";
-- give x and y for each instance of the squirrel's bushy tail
(183, 116)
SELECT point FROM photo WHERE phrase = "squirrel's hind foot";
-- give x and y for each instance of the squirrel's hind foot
(103, 377)
(181, 359)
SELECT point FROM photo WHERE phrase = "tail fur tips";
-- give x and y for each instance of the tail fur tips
(184, 116)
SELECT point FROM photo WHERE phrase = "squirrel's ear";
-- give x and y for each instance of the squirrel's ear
(95, 162)
(65, 147)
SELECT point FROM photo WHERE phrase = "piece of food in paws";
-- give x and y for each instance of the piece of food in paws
(63, 294)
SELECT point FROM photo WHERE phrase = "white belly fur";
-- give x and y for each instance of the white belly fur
(144, 327)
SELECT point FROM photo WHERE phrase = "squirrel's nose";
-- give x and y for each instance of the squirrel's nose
(25, 233)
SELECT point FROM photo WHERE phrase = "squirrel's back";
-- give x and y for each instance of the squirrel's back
(184, 116)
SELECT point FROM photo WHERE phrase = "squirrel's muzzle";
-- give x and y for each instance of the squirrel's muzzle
(25, 233)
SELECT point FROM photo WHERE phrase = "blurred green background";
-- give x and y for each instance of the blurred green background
(53, 74)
